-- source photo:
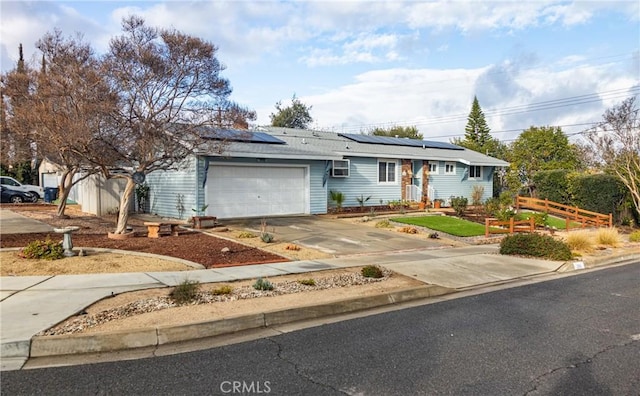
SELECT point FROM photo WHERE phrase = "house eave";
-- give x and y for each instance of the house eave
(497, 163)
(313, 157)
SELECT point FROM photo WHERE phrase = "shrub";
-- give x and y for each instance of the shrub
(383, 224)
(500, 208)
(580, 240)
(262, 284)
(307, 282)
(45, 250)
(634, 236)
(504, 214)
(492, 206)
(362, 200)
(246, 234)
(608, 236)
(337, 197)
(222, 290)
(540, 219)
(264, 235)
(535, 245)
(409, 230)
(459, 205)
(372, 271)
(185, 292)
(476, 194)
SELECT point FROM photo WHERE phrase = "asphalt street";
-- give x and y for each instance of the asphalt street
(577, 335)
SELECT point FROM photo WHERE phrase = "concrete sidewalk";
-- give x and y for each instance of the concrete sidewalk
(31, 304)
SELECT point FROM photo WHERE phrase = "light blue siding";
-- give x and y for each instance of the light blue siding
(317, 192)
(460, 184)
(363, 180)
(187, 186)
(170, 189)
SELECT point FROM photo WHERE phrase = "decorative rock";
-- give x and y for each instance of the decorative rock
(80, 323)
(225, 250)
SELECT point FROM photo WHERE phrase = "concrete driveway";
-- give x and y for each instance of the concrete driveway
(13, 223)
(334, 236)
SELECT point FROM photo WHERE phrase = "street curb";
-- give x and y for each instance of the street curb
(599, 261)
(48, 346)
(15, 349)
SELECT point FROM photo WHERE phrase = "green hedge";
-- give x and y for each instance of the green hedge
(535, 245)
(600, 193)
(553, 185)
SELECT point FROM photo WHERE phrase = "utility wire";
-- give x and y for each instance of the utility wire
(518, 109)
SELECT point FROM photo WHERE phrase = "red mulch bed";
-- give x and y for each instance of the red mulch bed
(193, 246)
(189, 245)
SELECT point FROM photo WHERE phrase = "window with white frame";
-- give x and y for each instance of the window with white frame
(387, 171)
(433, 167)
(449, 168)
(340, 168)
(475, 172)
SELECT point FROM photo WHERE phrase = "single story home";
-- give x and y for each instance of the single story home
(279, 171)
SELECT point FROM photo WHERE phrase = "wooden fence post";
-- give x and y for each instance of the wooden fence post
(567, 221)
(511, 225)
(486, 228)
(532, 225)
(610, 220)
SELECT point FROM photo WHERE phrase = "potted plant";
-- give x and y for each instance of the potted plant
(437, 203)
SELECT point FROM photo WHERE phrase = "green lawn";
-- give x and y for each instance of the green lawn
(450, 225)
(552, 221)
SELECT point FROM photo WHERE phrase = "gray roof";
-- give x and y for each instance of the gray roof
(323, 145)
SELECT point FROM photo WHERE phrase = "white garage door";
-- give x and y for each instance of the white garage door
(248, 191)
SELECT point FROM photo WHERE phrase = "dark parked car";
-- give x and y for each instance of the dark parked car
(13, 196)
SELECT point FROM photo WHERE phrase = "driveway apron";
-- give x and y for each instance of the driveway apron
(332, 236)
(13, 223)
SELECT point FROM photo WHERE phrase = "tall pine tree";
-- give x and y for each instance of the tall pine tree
(477, 131)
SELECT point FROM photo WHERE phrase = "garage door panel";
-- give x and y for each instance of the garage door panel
(245, 191)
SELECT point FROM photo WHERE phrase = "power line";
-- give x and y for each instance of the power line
(517, 109)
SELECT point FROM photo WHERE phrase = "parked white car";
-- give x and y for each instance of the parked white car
(13, 184)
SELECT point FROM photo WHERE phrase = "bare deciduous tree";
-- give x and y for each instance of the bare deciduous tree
(64, 108)
(169, 89)
(616, 142)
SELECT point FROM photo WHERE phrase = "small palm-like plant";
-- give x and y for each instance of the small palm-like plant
(362, 200)
(338, 198)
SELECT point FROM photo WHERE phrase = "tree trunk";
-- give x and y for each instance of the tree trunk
(65, 189)
(125, 203)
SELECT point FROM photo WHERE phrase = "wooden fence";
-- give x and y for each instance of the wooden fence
(513, 226)
(571, 214)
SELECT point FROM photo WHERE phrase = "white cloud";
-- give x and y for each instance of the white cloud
(26, 22)
(438, 101)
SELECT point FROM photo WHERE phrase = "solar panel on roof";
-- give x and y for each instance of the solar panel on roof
(241, 136)
(393, 141)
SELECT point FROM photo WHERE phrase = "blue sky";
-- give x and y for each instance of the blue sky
(363, 64)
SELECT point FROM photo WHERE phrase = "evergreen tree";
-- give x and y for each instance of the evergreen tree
(399, 131)
(295, 116)
(477, 132)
